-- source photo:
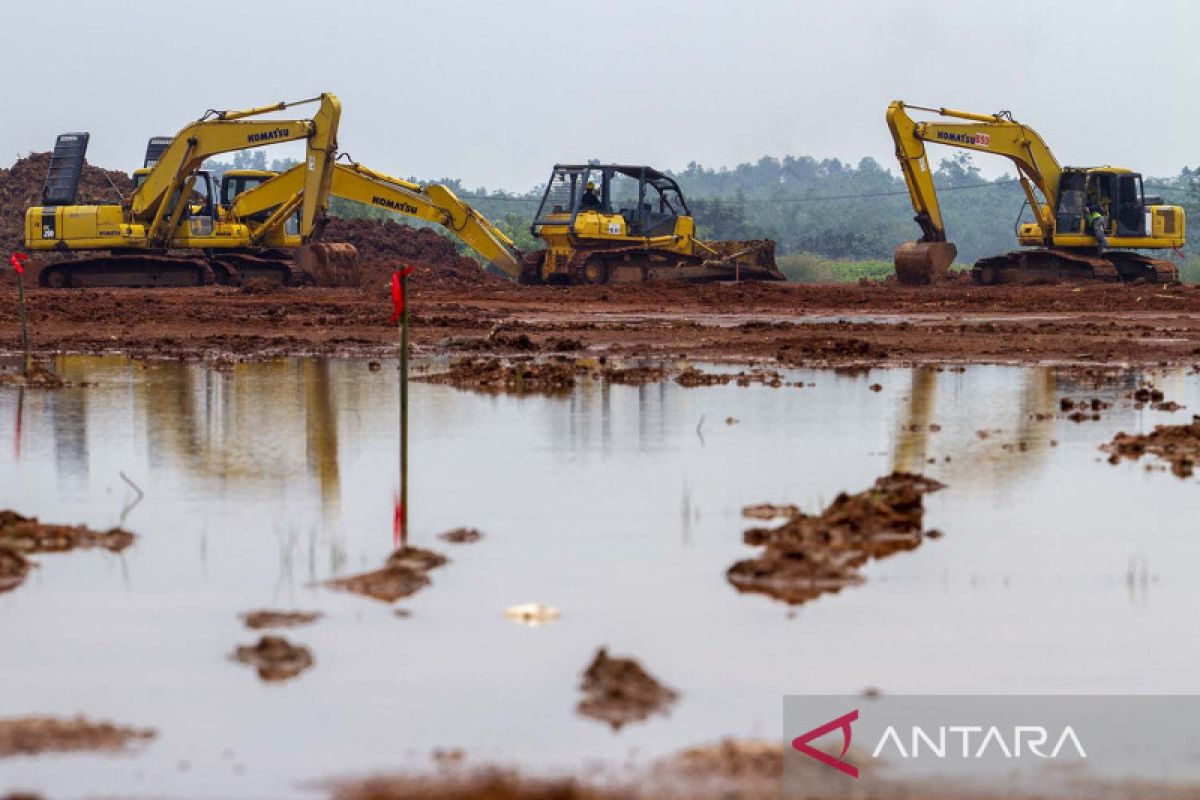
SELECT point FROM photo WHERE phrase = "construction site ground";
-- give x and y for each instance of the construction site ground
(787, 325)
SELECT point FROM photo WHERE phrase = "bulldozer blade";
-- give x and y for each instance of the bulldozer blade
(743, 260)
(327, 261)
(921, 263)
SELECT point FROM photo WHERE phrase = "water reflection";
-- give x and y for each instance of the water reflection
(263, 481)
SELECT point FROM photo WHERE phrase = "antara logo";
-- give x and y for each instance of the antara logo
(394, 205)
(979, 139)
(268, 136)
(949, 741)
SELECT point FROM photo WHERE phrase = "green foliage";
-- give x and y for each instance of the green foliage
(812, 268)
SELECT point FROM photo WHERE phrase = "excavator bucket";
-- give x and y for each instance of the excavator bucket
(328, 263)
(921, 263)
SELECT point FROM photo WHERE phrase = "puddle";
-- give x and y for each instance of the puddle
(619, 506)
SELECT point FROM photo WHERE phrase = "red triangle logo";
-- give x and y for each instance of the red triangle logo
(801, 743)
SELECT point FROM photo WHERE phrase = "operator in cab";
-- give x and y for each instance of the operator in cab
(1096, 221)
(590, 201)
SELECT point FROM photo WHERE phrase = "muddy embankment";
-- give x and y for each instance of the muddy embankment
(788, 325)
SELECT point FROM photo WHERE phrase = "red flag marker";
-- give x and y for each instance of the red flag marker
(18, 261)
(398, 292)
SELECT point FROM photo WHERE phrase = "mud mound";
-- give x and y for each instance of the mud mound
(21, 187)
(404, 574)
(619, 691)
(487, 784)
(496, 375)
(13, 568)
(266, 618)
(386, 246)
(28, 535)
(808, 556)
(461, 536)
(275, 658)
(27, 736)
(1178, 445)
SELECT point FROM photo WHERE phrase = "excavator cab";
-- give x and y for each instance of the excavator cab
(629, 201)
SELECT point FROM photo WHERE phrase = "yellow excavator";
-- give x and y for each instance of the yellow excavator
(175, 206)
(617, 223)
(269, 205)
(1088, 220)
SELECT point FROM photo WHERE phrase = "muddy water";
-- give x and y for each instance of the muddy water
(619, 506)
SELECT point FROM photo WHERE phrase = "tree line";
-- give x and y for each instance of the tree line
(827, 207)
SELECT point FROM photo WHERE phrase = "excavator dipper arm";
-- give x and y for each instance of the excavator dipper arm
(432, 203)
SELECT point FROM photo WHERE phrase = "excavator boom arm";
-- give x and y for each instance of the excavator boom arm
(235, 130)
(354, 182)
(997, 134)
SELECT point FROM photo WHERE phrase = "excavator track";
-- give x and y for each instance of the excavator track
(163, 270)
(1052, 264)
(730, 261)
(129, 270)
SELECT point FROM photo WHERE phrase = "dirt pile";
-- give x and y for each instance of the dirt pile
(275, 658)
(21, 188)
(385, 246)
(485, 374)
(619, 691)
(808, 556)
(28, 736)
(1178, 445)
(405, 573)
(485, 784)
(13, 568)
(266, 618)
(461, 536)
(28, 535)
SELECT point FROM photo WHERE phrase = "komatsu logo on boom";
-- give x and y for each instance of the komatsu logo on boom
(404, 208)
(980, 139)
(268, 136)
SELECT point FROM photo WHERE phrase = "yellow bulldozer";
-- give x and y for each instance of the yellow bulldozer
(1088, 221)
(615, 223)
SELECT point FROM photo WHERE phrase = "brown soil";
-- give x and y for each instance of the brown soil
(461, 536)
(485, 784)
(619, 691)
(748, 324)
(386, 246)
(1178, 445)
(809, 556)
(275, 658)
(24, 736)
(266, 618)
(28, 535)
(495, 375)
(13, 568)
(404, 574)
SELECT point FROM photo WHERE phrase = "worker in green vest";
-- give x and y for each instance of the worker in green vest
(1096, 221)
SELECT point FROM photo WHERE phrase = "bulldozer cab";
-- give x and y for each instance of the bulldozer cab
(647, 202)
(1119, 194)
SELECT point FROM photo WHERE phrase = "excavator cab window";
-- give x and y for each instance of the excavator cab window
(1069, 216)
(1101, 189)
(1131, 206)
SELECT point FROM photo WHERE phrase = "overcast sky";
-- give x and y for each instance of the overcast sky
(495, 92)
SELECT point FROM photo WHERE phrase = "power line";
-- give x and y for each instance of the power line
(821, 199)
